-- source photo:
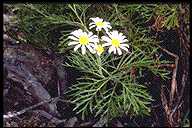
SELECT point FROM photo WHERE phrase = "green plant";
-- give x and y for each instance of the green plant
(110, 91)
(107, 87)
(170, 12)
(39, 21)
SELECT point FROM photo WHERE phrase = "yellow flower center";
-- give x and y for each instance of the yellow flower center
(115, 42)
(99, 49)
(84, 40)
(100, 24)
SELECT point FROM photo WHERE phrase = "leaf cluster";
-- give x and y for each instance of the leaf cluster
(39, 22)
(171, 13)
(106, 87)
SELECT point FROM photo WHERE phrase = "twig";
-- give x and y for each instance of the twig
(58, 88)
(137, 125)
(174, 81)
(184, 79)
(8, 38)
(10, 115)
(168, 52)
(176, 107)
(182, 34)
(173, 112)
(165, 65)
(166, 107)
(49, 116)
(179, 102)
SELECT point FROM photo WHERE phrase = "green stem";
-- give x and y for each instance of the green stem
(98, 33)
(99, 63)
(99, 60)
(74, 10)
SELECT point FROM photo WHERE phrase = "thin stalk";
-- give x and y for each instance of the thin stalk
(99, 60)
(99, 63)
(75, 11)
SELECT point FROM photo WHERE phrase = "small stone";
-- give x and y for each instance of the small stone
(71, 122)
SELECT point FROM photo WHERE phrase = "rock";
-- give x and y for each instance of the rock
(33, 69)
(117, 123)
(100, 123)
(86, 124)
(71, 122)
(39, 64)
(51, 118)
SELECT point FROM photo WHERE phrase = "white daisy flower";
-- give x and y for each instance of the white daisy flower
(116, 41)
(99, 49)
(99, 24)
(83, 40)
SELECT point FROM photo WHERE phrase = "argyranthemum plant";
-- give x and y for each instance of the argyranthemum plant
(83, 40)
(116, 41)
(107, 87)
(99, 24)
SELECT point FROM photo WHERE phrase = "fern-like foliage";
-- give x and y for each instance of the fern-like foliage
(106, 87)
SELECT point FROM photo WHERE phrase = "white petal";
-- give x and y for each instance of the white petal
(92, 23)
(106, 44)
(115, 33)
(98, 53)
(76, 47)
(111, 35)
(93, 37)
(90, 48)
(124, 40)
(105, 38)
(97, 19)
(124, 45)
(119, 51)
(72, 43)
(93, 19)
(77, 33)
(120, 34)
(107, 27)
(90, 34)
(73, 38)
(110, 49)
(114, 50)
(94, 40)
(107, 30)
(91, 26)
(107, 23)
(124, 48)
(83, 49)
(84, 33)
(99, 27)
(92, 45)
